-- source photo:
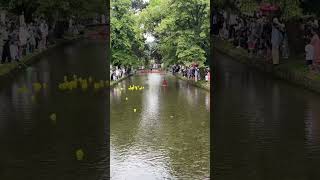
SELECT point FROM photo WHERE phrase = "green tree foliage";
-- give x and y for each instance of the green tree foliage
(311, 7)
(127, 41)
(181, 28)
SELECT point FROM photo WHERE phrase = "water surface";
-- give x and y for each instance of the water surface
(263, 128)
(167, 137)
(31, 145)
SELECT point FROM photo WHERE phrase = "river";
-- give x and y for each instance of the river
(263, 128)
(168, 135)
(31, 145)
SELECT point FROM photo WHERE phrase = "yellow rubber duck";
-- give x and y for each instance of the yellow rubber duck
(84, 85)
(36, 86)
(44, 85)
(53, 118)
(96, 86)
(23, 89)
(101, 83)
(79, 154)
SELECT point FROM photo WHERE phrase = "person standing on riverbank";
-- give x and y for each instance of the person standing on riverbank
(310, 55)
(6, 47)
(1, 39)
(44, 34)
(315, 42)
(275, 41)
(14, 44)
(23, 40)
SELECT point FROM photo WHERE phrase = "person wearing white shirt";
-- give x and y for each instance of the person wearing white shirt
(1, 40)
(23, 38)
(309, 49)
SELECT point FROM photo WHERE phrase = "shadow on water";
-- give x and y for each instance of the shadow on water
(263, 128)
(32, 146)
(167, 137)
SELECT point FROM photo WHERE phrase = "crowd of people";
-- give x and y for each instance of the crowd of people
(267, 36)
(192, 72)
(117, 73)
(312, 48)
(18, 38)
(259, 35)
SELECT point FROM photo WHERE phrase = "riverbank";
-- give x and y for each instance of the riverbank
(113, 83)
(200, 84)
(292, 70)
(8, 68)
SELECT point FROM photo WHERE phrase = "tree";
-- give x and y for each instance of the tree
(181, 28)
(126, 36)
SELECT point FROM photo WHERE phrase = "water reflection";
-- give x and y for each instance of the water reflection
(168, 136)
(264, 128)
(32, 146)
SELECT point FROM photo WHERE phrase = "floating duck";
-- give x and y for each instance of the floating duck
(101, 83)
(62, 86)
(23, 89)
(44, 85)
(84, 85)
(79, 154)
(36, 86)
(53, 118)
(171, 116)
(96, 85)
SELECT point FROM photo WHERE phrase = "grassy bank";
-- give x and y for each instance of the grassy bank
(201, 84)
(292, 70)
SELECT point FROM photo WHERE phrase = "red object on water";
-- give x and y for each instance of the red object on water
(164, 83)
